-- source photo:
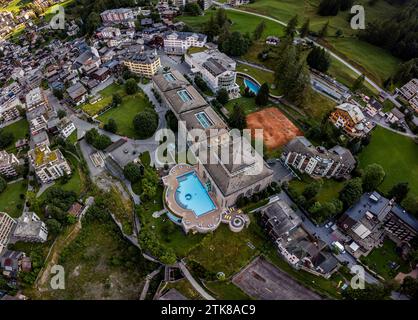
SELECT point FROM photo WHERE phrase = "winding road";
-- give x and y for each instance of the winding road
(335, 56)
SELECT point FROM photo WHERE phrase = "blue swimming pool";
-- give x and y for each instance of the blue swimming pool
(251, 85)
(192, 195)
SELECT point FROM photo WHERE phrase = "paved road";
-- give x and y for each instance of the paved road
(193, 282)
(351, 67)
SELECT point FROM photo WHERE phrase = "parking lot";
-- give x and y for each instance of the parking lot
(262, 280)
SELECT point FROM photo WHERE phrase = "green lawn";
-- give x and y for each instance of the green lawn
(240, 22)
(225, 251)
(260, 75)
(19, 129)
(226, 290)
(75, 183)
(380, 258)
(10, 198)
(396, 154)
(73, 137)
(14, 5)
(247, 103)
(169, 234)
(107, 93)
(377, 62)
(125, 113)
(329, 190)
(100, 264)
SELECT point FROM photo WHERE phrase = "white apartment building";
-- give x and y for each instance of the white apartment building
(66, 127)
(7, 225)
(8, 164)
(178, 42)
(117, 15)
(36, 98)
(9, 109)
(49, 165)
(109, 33)
(236, 3)
(30, 228)
(410, 92)
(216, 68)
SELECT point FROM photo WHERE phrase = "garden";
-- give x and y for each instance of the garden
(386, 261)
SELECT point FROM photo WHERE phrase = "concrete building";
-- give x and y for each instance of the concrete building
(299, 248)
(216, 68)
(117, 15)
(241, 171)
(410, 92)
(30, 228)
(66, 127)
(351, 119)
(7, 225)
(49, 165)
(36, 98)
(77, 93)
(338, 162)
(8, 164)
(410, 89)
(177, 43)
(236, 3)
(372, 218)
(144, 64)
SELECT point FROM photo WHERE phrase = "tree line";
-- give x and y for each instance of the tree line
(403, 31)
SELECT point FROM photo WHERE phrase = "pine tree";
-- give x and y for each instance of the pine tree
(358, 84)
(238, 119)
(319, 59)
(304, 31)
(324, 31)
(259, 30)
(262, 97)
(290, 29)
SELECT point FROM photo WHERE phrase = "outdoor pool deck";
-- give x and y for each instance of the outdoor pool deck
(190, 221)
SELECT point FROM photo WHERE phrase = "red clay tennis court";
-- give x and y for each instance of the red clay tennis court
(278, 130)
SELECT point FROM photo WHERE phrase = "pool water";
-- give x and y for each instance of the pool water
(252, 86)
(192, 195)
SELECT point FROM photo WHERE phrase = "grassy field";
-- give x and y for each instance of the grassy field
(247, 103)
(329, 189)
(185, 288)
(225, 251)
(14, 5)
(107, 93)
(318, 105)
(226, 290)
(124, 114)
(99, 264)
(379, 63)
(240, 22)
(380, 258)
(19, 129)
(260, 75)
(10, 198)
(396, 154)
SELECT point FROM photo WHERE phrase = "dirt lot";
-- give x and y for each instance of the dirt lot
(261, 280)
(278, 130)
